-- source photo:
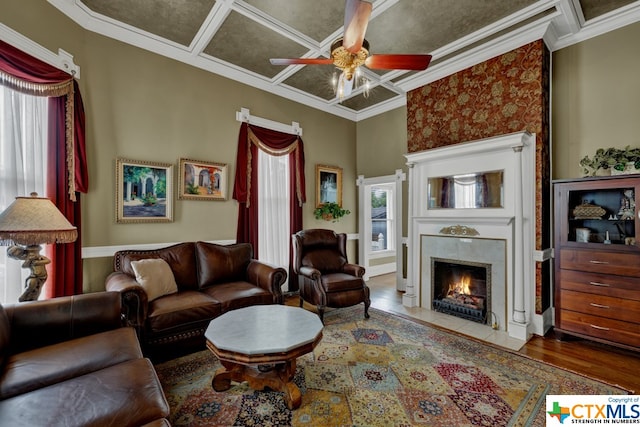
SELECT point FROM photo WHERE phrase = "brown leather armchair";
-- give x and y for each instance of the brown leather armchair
(326, 278)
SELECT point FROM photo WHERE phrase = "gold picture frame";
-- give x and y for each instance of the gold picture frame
(144, 191)
(328, 185)
(202, 180)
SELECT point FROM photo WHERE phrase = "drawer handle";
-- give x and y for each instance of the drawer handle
(599, 284)
(602, 328)
(593, 304)
(593, 261)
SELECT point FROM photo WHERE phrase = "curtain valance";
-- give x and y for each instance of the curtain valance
(276, 144)
(27, 74)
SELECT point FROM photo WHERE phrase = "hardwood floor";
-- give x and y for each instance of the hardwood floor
(609, 364)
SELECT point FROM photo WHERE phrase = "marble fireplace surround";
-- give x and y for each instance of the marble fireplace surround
(488, 252)
(446, 233)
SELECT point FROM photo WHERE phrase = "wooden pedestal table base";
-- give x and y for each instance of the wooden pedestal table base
(260, 345)
(279, 377)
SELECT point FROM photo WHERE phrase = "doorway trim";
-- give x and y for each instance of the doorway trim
(364, 224)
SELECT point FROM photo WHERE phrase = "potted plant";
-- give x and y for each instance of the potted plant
(330, 211)
(611, 161)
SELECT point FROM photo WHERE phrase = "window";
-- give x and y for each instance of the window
(273, 209)
(382, 218)
(23, 132)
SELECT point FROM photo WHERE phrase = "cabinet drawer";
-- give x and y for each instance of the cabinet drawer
(604, 262)
(600, 305)
(600, 284)
(600, 327)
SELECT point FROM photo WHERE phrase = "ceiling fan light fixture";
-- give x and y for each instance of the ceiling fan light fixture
(346, 60)
(351, 51)
(344, 83)
(344, 86)
(367, 87)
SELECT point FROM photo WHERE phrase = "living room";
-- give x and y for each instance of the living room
(144, 106)
(164, 101)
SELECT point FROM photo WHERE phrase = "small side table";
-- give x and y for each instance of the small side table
(260, 345)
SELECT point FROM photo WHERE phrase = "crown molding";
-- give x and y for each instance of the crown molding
(562, 26)
(619, 18)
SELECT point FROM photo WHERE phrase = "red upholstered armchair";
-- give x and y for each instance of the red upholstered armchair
(326, 278)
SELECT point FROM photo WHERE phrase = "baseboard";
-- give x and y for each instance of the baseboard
(109, 251)
(379, 270)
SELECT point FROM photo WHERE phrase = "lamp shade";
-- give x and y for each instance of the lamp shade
(35, 221)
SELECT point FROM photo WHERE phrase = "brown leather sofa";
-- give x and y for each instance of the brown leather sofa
(211, 279)
(69, 361)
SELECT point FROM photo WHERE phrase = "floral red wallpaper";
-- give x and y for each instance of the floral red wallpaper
(499, 96)
(506, 94)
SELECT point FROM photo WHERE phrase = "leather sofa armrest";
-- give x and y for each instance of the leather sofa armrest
(267, 277)
(40, 323)
(134, 298)
(354, 270)
(310, 272)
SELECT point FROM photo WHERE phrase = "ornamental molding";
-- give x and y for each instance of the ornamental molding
(459, 230)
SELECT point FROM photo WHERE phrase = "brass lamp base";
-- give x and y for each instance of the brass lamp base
(36, 263)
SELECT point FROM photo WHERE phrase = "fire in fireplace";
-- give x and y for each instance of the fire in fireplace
(461, 288)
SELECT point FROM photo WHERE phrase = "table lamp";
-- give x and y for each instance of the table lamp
(25, 225)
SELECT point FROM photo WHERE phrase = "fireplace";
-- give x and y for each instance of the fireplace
(500, 235)
(461, 288)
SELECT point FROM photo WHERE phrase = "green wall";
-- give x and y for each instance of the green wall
(596, 98)
(381, 145)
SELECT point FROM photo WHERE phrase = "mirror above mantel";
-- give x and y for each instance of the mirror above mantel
(467, 191)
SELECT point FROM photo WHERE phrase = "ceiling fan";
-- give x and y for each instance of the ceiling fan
(351, 51)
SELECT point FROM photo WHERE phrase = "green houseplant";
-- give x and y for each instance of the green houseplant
(607, 159)
(330, 211)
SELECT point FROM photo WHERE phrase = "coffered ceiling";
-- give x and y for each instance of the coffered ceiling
(236, 38)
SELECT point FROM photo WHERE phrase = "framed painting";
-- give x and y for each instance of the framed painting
(144, 191)
(202, 180)
(328, 185)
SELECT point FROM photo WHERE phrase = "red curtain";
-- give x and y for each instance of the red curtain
(67, 166)
(245, 189)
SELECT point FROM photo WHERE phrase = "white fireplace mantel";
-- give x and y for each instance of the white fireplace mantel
(514, 222)
(498, 220)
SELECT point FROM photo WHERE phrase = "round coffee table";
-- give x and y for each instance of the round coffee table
(260, 345)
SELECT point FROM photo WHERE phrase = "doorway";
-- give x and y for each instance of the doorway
(380, 221)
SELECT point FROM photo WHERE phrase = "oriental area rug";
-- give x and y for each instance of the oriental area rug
(383, 371)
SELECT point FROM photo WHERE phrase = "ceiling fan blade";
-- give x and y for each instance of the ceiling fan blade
(398, 62)
(356, 18)
(292, 61)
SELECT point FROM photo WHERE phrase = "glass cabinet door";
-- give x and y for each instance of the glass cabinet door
(599, 211)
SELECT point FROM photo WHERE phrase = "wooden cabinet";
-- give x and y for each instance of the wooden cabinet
(597, 259)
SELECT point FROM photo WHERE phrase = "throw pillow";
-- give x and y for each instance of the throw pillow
(222, 263)
(155, 276)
